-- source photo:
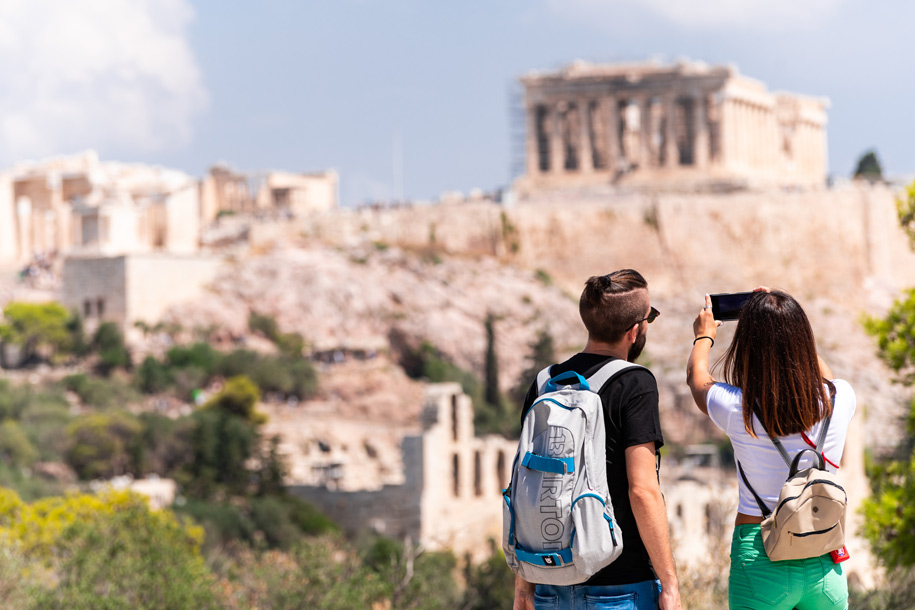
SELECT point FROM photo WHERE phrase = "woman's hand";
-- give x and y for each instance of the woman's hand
(705, 324)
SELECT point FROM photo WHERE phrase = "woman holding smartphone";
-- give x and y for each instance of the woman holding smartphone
(772, 364)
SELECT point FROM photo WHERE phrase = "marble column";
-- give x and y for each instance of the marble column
(671, 152)
(740, 133)
(644, 133)
(532, 143)
(610, 111)
(700, 132)
(557, 154)
(585, 150)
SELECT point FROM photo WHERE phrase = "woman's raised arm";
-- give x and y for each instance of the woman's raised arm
(698, 377)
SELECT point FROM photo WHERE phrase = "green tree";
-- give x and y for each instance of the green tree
(152, 376)
(109, 342)
(895, 334)
(37, 327)
(492, 395)
(222, 444)
(905, 208)
(890, 512)
(239, 397)
(869, 167)
(543, 354)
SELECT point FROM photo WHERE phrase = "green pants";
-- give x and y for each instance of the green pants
(757, 582)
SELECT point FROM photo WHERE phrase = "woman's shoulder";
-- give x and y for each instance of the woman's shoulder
(843, 386)
(725, 393)
(724, 402)
(845, 399)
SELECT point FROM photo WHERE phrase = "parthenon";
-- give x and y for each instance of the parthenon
(683, 124)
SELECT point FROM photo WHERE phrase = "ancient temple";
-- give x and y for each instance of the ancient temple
(683, 124)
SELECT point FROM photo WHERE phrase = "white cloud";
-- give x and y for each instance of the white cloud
(95, 73)
(753, 14)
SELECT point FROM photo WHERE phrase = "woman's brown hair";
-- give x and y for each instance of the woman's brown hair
(773, 360)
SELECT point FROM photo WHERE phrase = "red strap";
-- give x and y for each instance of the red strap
(812, 444)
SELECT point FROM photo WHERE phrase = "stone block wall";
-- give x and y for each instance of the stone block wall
(97, 288)
(127, 289)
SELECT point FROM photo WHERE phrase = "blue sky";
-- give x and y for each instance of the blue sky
(307, 85)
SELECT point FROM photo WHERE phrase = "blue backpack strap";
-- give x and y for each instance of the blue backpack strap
(580, 381)
(553, 559)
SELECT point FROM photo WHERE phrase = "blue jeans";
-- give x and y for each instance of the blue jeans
(636, 596)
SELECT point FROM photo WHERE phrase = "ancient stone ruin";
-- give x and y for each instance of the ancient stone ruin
(683, 125)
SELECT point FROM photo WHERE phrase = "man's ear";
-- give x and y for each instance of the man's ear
(633, 333)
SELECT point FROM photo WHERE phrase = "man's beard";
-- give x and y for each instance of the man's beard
(635, 350)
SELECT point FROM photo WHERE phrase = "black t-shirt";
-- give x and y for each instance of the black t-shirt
(632, 418)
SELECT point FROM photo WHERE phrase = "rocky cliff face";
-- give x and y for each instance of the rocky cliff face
(357, 278)
(384, 281)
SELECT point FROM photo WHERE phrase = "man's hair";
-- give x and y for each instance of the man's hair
(611, 304)
(773, 360)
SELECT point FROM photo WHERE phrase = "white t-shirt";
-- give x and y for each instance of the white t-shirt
(761, 461)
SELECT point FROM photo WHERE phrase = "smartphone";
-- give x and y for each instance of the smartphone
(726, 306)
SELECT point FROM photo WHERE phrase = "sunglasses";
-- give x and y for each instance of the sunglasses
(652, 314)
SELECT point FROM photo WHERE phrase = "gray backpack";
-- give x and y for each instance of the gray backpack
(558, 525)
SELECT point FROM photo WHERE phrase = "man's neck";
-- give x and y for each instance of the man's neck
(617, 350)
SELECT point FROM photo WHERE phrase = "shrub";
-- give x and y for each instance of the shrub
(198, 355)
(15, 447)
(153, 377)
(307, 518)
(264, 325)
(271, 516)
(101, 393)
(109, 342)
(166, 445)
(238, 362)
(224, 523)
(490, 584)
(104, 445)
(107, 551)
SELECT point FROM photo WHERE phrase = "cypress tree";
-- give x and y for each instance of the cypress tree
(491, 392)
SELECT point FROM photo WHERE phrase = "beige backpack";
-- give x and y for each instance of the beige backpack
(809, 519)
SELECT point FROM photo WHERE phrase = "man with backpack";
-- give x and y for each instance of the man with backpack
(616, 311)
